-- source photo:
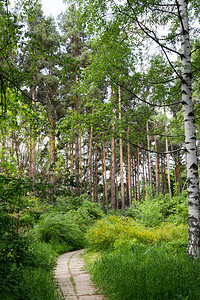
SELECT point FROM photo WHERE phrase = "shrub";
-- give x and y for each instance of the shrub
(153, 211)
(86, 215)
(107, 231)
(61, 232)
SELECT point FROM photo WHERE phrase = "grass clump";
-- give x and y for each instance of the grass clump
(146, 272)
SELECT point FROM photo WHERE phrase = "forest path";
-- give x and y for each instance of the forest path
(74, 282)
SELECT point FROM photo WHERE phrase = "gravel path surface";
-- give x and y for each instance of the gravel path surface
(74, 282)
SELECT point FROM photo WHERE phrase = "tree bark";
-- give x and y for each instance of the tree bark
(157, 162)
(149, 156)
(190, 135)
(113, 189)
(32, 151)
(121, 154)
(129, 167)
(143, 169)
(106, 186)
(95, 194)
(168, 170)
(138, 173)
(178, 173)
(89, 172)
(103, 178)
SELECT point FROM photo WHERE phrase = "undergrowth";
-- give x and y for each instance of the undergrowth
(112, 229)
(142, 272)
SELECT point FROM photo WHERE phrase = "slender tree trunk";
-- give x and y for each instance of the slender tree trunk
(136, 168)
(129, 167)
(138, 173)
(178, 173)
(77, 162)
(121, 155)
(117, 191)
(133, 176)
(52, 148)
(149, 156)
(127, 190)
(190, 135)
(143, 168)
(52, 151)
(80, 159)
(157, 162)
(113, 188)
(163, 173)
(72, 158)
(95, 195)
(103, 178)
(89, 173)
(32, 152)
(106, 186)
(168, 170)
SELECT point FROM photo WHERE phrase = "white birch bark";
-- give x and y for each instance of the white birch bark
(190, 135)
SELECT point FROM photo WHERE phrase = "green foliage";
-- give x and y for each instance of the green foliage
(154, 211)
(33, 278)
(57, 229)
(143, 272)
(20, 261)
(112, 230)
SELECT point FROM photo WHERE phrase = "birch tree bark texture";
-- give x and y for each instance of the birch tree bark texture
(190, 135)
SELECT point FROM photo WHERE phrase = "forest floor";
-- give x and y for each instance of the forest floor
(73, 280)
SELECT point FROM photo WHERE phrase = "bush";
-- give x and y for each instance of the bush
(62, 233)
(153, 211)
(64, 204)
(107, 231)
(86, 215)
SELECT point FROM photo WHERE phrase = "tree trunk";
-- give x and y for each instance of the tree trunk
(157, 162)
(168, 171)
(178, 173)
(106, 186)
(149, 156)
(52, 151)
(138, 173)
(72, 158)
(77, 163)
(133, 177)
(190, 135)
(129, 167)
(103, 178)
(163, 174)
(113, 189)
(89, 172)
(32, 156)
(117, 191)
(80, 159)
(143, 168)
(121, 155)
(95, 198)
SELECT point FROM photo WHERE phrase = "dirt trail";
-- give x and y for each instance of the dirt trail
(74, 282)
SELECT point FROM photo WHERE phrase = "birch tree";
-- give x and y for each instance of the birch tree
(164, 23)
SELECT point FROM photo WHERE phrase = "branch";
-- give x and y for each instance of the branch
(16, 86)
(151, 104)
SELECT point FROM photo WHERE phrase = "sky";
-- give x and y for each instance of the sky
(51, 7)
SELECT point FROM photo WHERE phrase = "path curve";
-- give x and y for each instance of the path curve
(74, 282)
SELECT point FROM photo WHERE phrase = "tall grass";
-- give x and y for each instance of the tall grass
(142, 272)
(33, 279)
